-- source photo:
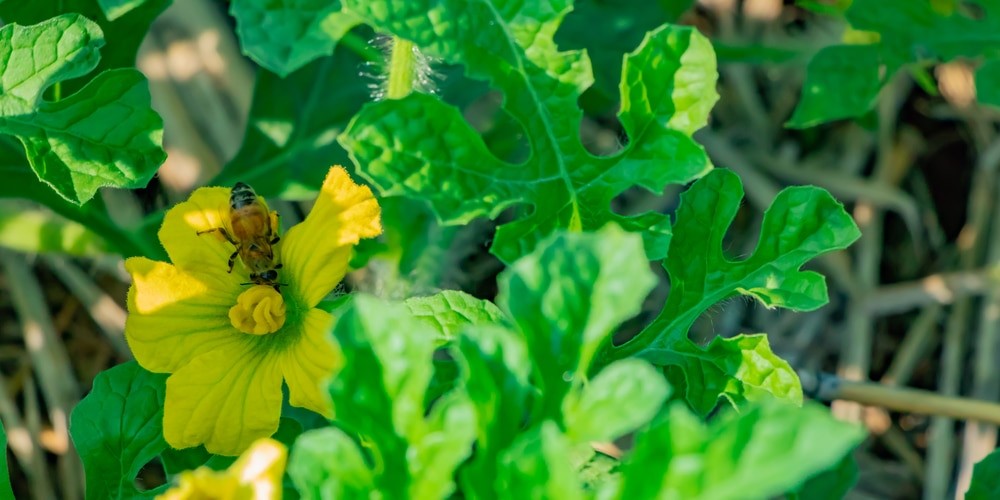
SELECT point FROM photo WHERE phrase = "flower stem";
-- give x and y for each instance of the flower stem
(402, 69)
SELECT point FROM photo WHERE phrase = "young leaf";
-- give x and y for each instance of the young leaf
(380, 394)
(985, 482)
(326, 463)
(536, 466)
(118, 428)
(802, 223)
(450, 311)
(104, 135)
(763, 452)
(623, 396)
(495, 368)
(568, 296)
(423, 148)
(284, 36)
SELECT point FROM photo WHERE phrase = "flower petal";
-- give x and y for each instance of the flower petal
(225, 399)
(316, 252)
(312, 359)
(206, 209)
(175, 315)
(262, 467)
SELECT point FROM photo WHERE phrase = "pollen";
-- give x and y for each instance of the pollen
(260, 310)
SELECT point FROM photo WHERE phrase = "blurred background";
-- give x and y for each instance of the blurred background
(915, 303)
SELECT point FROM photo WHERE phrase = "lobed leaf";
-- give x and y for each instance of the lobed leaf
(568, 296)
(420, 147)
(741, 369)
(762, 452)
(118, 429)
(802, 223)
(103, 135)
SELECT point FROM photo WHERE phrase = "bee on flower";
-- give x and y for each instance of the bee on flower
(227, 347)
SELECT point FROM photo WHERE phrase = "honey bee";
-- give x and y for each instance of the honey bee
(254, 232)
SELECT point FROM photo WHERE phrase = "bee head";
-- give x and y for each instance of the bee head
(269, 275)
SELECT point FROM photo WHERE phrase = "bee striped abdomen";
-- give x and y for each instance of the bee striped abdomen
(242, 195)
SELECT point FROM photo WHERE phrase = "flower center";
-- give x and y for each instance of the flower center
(260, 310)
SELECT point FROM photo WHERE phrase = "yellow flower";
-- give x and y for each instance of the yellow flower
(227, 345)
(255, 475)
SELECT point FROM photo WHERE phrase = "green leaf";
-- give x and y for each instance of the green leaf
(118, 428)
(444, 443)
(6, 491)
(21, 182)
(450, 311)
(495, 367)
(843, 78)
(290, 140)
(35, 230)
(741, 369)
(830, 484)
(104, 135)
(420, 147)
(763, 452)
(985, 483)
(802, 223)
(326, 464)
(537, 466)
(842, 81)
(283, 36)
(622, 397)
(609, 30)
(568, 296)
(380, 394)
(124, 24)
(113, 9)
(988, 83)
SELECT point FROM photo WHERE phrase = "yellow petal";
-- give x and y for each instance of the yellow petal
(174, 315)
(225, 399)
(207, 208)
(255, 475)
(308, 363)
(262, 467)
(316, 252)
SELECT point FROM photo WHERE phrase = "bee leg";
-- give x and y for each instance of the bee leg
(276, 239)
(279, 266)
(225, 234)
(232, 260)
